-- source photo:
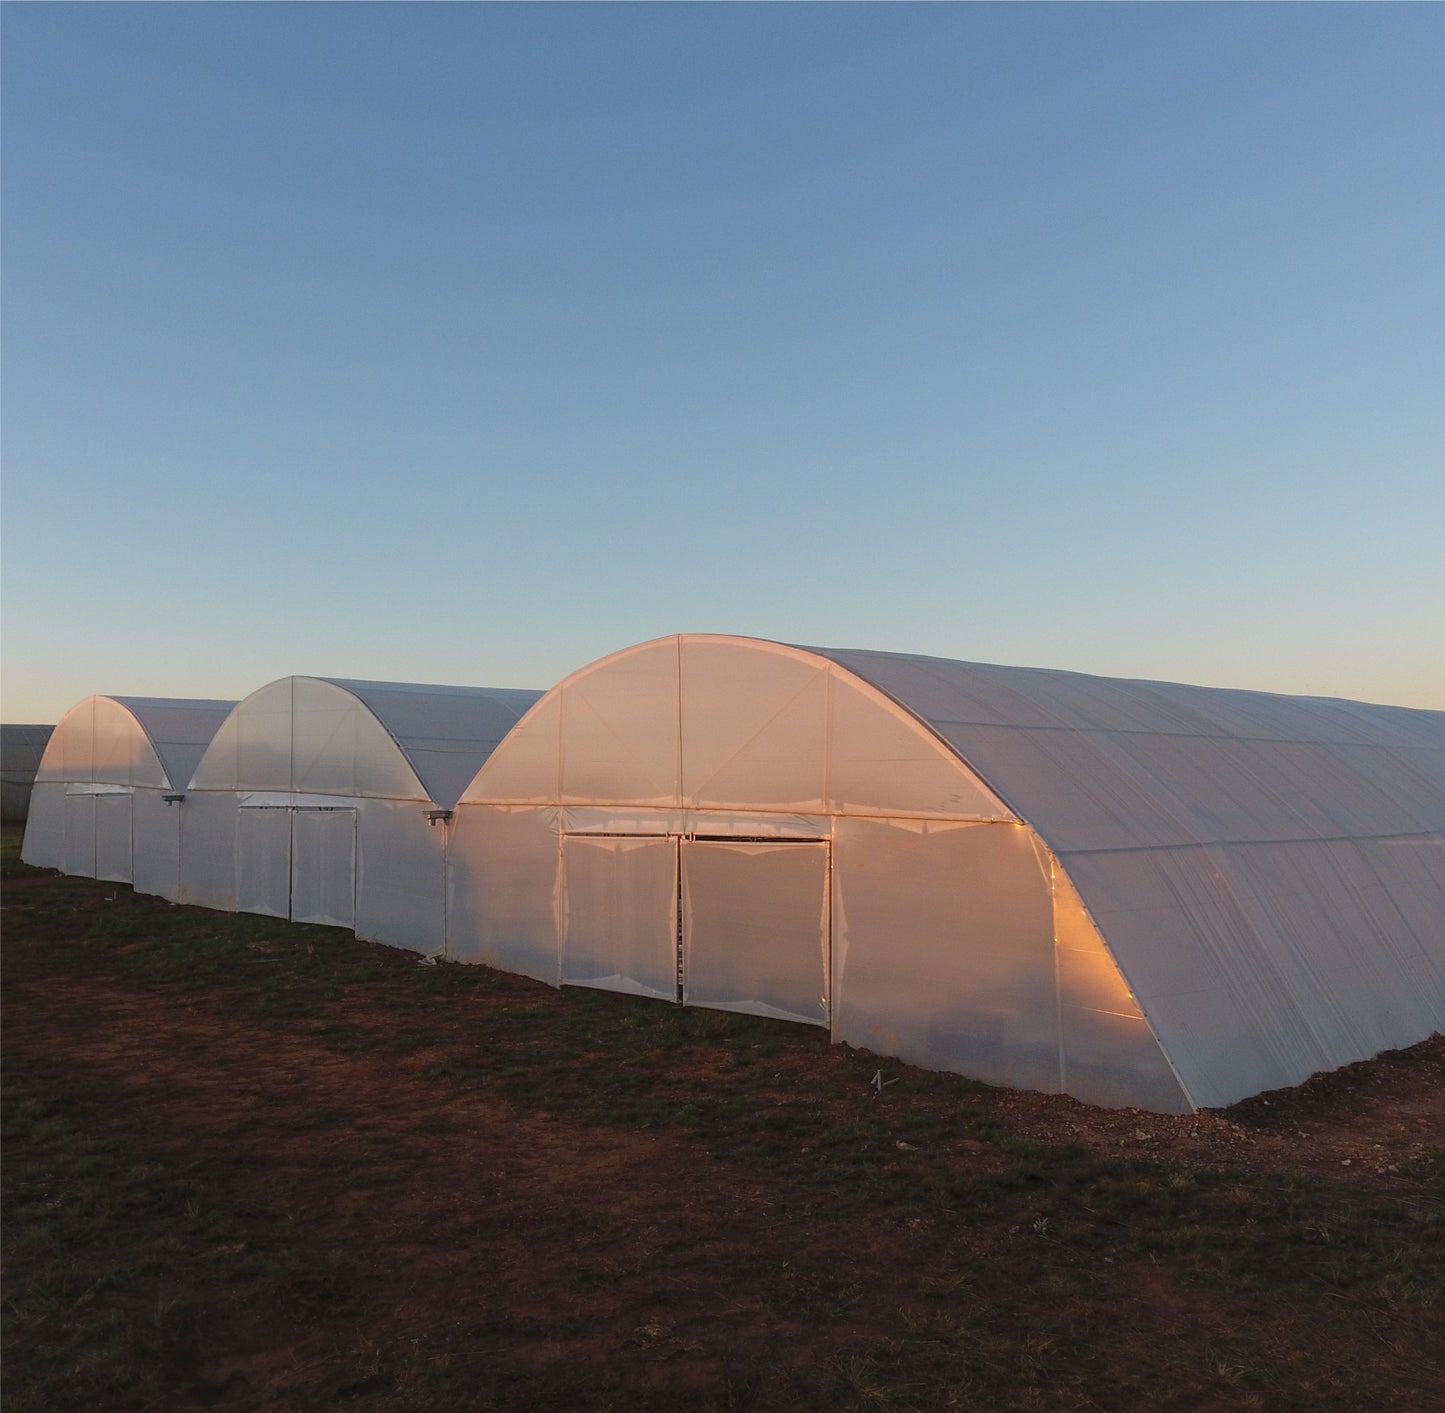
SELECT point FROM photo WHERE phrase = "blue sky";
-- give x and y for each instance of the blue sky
(469, 343)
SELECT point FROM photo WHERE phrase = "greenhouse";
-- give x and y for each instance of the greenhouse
(1137, 893)
(106, 793)
(22, 747)
(326, 800)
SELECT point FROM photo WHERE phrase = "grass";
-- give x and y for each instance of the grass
(354, 1233)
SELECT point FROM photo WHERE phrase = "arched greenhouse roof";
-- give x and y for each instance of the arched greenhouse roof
(341, 735)
(154, 741)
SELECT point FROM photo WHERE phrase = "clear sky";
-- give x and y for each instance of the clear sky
(469, 343)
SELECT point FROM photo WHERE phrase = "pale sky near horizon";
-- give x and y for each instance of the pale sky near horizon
(469, 343)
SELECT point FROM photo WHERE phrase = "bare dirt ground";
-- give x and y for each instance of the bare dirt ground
(377, 1198)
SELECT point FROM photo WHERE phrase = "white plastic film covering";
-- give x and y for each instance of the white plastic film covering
(333, 742)
(156, 860)
(622, 819)
(323, 867)
(754, 727)
(943, 949)
(755, 928)
(504, 879)
(79, 835)
(208, 850)
(71, 753)
(1225, 1013)
(113, 837)
(526, 768)
(252, 748)
(263, 862)
(400, 876)
(381, 740)
(446, 733)
(620, 918)
(1097, 763)
(1415, 869)
(1240, 852)
(619, 730)
(728, 725)
(178, 732)
(1231, 889)
(135, 741)
(754, 824)
(881, 762)
(1108, 1051)
(44, 843)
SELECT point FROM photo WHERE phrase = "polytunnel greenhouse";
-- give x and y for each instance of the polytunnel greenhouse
(105, 794)
(1136, 893)
(22, 748)
(325, 800)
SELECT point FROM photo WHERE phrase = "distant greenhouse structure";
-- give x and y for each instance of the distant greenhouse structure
(21, 749)
(325, 800)
(107, 787)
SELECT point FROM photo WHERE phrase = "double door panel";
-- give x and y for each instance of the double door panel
(298, 864)
(729, 925)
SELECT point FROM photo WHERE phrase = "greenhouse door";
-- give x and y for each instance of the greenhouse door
(263, 861)
(323, 867)
(755, 927)
(620, 927)
(80, 834)
(113, 837)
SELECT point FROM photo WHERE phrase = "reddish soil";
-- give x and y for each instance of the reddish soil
(460, 1250)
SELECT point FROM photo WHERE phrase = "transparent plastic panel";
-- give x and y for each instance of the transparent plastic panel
(80, 835)
(620, 928)
(755, 928)
(503, 881)
(525, 768)
(263, 862)
(620, 730)
(400, 876)
(943, 949)
(884, 762)
(754, 727)
(208, 850)
(44, 844)
(113, 838)
(156, 844)
(323, 866)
